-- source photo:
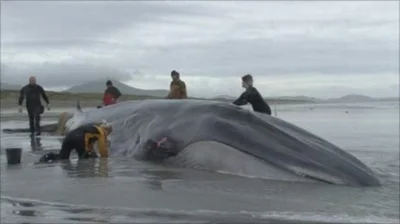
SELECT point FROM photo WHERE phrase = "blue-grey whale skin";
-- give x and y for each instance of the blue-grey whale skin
(270, 139)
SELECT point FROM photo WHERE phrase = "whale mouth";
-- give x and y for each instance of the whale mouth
(315, 175)
(315, 178)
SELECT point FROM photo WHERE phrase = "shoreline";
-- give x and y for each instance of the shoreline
(68, 103)
(13, 103)
(8, 104)
(9, 99)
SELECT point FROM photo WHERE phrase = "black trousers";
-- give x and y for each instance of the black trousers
(75, 140)
(34, 117)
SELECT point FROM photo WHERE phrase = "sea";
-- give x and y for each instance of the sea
(123, 190)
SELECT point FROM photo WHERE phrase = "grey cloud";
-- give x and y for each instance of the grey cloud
(53, 74)
(395, 87)
(52, 44)
(263, 44)
(90, 19)
(265, 56)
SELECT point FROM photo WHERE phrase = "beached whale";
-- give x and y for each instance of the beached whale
(222, 137)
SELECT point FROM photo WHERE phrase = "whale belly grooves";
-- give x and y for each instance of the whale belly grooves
(218, 157)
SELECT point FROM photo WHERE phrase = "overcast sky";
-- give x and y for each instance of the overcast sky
(321, 49)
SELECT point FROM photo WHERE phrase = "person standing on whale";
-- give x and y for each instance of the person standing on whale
(111, 94)
(252, 96)
(177, 87)
(32, 93)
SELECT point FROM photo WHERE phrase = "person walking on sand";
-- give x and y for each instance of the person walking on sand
(32, 93)
(177, 87)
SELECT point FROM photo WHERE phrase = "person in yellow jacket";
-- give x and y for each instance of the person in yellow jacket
(177, 87)
(82, 139)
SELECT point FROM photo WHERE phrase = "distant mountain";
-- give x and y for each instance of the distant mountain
(224, 97)
(299, 98)
(389, 99)
(99, 87)
(5, 86)
(352, 98)
(277, 98)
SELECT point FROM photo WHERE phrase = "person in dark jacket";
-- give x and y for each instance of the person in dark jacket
(82, 140)
(111, 94)
(252, 96)
(32, 93)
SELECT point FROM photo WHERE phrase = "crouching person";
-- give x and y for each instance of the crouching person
(82, 140)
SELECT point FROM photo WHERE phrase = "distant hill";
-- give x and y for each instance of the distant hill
(99, 87)
(5, 86)
(272, 100)
(306, 98)
(226, 97)
(299, 98)
(353, 98)
(302, 99)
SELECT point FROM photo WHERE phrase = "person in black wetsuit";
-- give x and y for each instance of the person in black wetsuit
(32, 93)
(252, 96)
(82, 139)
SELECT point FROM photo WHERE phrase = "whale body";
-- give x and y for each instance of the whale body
(220, 136)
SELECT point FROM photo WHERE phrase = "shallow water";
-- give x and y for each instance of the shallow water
(123, 190)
